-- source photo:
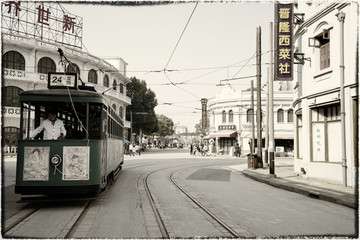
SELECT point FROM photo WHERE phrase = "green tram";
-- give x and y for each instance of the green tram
(81, 163)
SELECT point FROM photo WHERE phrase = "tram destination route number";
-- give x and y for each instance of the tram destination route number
(61, 80)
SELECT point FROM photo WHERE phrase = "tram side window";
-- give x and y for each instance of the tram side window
(26, 123)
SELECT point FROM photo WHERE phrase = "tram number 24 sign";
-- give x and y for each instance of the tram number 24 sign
(61, 80)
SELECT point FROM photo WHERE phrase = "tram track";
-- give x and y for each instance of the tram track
(26, 212)
(14, 226)
(163, 224)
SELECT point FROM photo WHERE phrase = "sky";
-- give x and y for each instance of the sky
(181, 50)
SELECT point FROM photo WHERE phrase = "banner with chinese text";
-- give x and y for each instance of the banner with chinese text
(284, 57)
(44, 21)
(204, 113)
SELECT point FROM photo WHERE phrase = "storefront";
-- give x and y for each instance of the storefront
(225, 139)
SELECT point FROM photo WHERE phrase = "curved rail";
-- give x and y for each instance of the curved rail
(229, 229)
(160, 222)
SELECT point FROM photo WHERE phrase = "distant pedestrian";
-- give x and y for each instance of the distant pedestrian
(137, 149)
(132, 149)
(126, 149)
(237, 150)
(205, 150)
(191, 149)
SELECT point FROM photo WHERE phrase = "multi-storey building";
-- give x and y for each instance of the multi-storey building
(231, 116)
(318, 135)
(30, 51)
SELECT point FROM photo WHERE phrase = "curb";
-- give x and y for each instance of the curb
(348, 200)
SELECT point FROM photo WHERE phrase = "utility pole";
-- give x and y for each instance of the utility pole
(258, 98)
(252, 145)
(267, 121)
(271, 108)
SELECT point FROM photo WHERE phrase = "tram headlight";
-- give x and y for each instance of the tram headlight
(56, 160)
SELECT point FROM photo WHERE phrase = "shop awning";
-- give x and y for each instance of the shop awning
(284, 135)
(222, 134)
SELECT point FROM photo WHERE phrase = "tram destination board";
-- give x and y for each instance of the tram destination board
(62, 80)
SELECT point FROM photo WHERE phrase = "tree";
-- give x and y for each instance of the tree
(141, 111)
(165, 126)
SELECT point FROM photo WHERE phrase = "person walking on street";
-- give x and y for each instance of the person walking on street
(205, 151)
(237, 150)
(137, 149)
(131, 149)
(191, 149)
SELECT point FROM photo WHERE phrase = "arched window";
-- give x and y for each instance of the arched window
(92, 77)
(114, 107)
(11, 96)
(290, 115)
(121, 112)
(11, 135)
(46, 65)
(13, 60)
(231, 116)
(121, 88)
(114, 84)
(249, 115)
(73, 68)
(280, 116)
(106, 81)
(224, 116)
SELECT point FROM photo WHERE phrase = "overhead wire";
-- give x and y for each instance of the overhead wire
(187, 23)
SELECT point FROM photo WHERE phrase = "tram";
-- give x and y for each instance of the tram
(90, 154)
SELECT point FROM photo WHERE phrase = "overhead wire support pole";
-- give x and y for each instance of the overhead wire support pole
(258, 98)
(271, 106)
(266, 162)
(252, 145)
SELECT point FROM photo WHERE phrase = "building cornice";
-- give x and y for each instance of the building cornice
(33, 44)
(319, 15)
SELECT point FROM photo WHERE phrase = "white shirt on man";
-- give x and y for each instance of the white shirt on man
(52, 130)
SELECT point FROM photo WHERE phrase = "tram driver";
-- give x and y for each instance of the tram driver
(53, 127)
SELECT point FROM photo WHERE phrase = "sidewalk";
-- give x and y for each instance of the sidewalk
(287, 179)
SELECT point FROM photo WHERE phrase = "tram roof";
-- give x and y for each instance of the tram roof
(62, 95)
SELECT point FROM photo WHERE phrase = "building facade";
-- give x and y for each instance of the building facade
(27, 59)
(231, 116)
(318, 135)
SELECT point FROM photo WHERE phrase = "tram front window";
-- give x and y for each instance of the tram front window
(71, 120)
(94, 121)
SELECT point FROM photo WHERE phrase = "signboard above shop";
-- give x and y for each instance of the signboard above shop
(284, 55)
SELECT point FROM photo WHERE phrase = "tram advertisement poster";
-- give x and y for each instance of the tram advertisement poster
(76, 163)
(36, 164)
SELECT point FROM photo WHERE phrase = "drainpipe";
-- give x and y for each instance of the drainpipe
(341, 18)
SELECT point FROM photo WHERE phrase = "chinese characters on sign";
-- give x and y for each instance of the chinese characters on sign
(227, 127)
(284, 42)
(204, 113)
(318, 142)
(46, 21)
(61, 80)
